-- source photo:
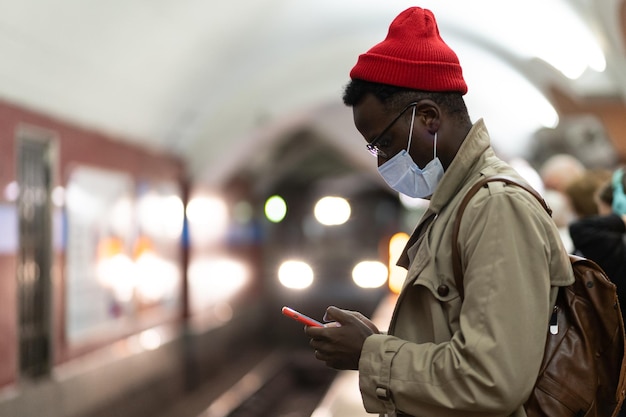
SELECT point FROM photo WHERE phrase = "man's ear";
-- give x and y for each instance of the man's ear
(429, 113)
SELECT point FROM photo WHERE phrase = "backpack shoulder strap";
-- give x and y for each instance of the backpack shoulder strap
(456, 258)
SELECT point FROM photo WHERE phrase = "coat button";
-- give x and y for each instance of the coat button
(443, 290)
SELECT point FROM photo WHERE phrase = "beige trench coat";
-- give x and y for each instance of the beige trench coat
(444, 358)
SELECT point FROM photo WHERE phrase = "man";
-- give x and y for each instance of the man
(443, 356)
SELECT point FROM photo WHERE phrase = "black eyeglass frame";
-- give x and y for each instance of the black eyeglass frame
(372, 146)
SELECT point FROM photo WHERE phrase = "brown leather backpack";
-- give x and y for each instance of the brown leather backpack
(583, 372)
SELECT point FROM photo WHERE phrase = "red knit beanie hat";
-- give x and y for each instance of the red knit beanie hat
(413, 55)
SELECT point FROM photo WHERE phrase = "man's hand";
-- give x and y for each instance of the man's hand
(339, 345)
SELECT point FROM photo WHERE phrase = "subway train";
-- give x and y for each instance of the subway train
(125, 275)
(174, 173)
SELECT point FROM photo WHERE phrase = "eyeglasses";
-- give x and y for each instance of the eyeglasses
(372, 147)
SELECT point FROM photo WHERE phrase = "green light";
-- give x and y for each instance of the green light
(275, 209)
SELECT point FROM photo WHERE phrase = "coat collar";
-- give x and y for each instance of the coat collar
(466, 164)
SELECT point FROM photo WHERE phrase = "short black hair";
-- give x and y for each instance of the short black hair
(395, 98)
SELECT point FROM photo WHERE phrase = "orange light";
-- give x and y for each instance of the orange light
(397, 274)
(142, 245)
(108, 247)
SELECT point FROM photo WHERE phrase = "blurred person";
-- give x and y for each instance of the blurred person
(568, 190)
(576, 200)
(442, 356)
(583, 190)
(558, 171)
(602, 237)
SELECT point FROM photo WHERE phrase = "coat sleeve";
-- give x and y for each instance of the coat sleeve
(489, 366)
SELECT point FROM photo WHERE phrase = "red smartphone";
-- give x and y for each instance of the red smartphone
(302, 318)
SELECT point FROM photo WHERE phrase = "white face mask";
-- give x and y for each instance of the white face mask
(404, 176)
